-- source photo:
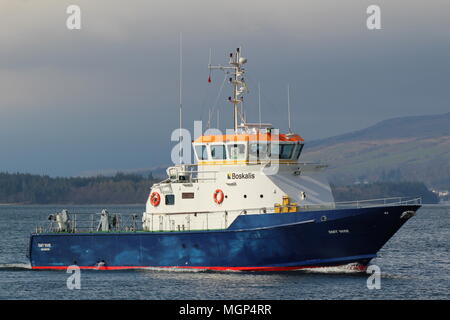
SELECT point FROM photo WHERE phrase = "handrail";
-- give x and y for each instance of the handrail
(385, 201)
(86, 222)
(129, 222)
(330, 205)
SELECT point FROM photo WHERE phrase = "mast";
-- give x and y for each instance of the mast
(237, 81)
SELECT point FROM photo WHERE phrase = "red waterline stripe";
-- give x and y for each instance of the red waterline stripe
(357, 267)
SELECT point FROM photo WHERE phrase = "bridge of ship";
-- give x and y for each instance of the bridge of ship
(255, 147)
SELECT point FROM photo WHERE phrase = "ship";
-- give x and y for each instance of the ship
(247, 202)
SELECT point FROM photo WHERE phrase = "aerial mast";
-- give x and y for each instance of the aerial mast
(236, 70)
(180, 94)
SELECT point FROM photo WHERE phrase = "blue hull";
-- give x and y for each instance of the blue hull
(279, 241)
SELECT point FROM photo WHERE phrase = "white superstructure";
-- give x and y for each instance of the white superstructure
(255, 170)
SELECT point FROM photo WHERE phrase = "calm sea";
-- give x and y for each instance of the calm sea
(415, 264)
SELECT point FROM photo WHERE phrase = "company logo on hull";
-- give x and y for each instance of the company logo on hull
(241, 175)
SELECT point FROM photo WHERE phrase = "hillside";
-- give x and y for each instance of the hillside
(401, 149)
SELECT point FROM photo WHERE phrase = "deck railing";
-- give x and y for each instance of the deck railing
(394, 201)
(118, 222)
(91, 222)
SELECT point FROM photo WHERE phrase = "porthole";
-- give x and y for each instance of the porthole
(323, 218)
(261, 196)
(245, 196)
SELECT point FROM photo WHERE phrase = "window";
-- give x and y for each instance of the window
(218, 152)
(282, 151)
(170, 199)
(187, 195)
(236, 151)
(202, 152)
(298, 151)
(286, 151)
(258, 151)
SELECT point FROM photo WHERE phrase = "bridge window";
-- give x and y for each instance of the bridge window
(298, 150)
(237, 151)
(201, 152)
(258, 151)
(218, 152)
(282, 150)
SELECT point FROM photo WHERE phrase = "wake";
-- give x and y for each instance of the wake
(14, 266)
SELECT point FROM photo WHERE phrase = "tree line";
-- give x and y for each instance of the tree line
(41, 189)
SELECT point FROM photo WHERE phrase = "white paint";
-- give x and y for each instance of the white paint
(242, 195)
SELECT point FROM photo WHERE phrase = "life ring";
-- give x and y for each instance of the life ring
(155, 199)
(218, 196)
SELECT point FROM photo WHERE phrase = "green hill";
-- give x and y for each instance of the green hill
(401, 149)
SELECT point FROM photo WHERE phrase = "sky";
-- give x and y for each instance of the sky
(106, 97)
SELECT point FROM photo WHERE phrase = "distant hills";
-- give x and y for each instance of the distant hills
(415, 148)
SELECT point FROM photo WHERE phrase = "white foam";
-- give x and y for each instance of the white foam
(347, 268)
(15, 266)
(173, 269)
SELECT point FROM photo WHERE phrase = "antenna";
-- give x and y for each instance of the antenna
(181, 91)
(259, 103)
(209, 118)
(218, 119)
(209, 65)
(289, 110)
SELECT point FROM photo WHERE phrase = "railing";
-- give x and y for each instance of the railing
(91, 222)
(395, 201)
(117, 222)
(188, 173)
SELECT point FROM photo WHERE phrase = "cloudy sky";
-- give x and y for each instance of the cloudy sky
(106, 96)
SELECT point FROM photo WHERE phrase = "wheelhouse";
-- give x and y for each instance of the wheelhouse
(247, 147)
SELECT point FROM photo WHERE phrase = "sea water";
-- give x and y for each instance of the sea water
(414, 264)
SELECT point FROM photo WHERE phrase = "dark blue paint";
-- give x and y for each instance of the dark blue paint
(263, 240)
